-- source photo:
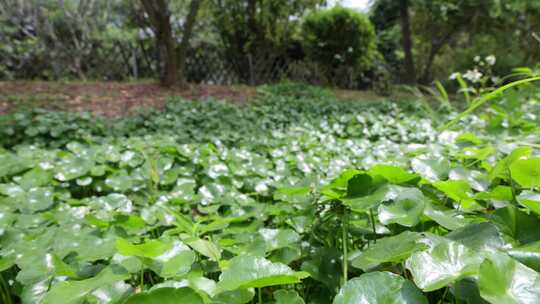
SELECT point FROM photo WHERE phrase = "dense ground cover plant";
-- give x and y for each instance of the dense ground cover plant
(213, 203)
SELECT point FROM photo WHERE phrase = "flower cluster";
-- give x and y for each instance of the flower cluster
(473, 75)
(480, 78)
(482, 67)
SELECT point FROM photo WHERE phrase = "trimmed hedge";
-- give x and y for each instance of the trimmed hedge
(340, 37)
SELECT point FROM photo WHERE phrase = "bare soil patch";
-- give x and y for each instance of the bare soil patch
(108, 99)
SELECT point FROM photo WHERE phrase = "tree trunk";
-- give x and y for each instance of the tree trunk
(410, 71)
(186, 35)
(158, 13)
(426, 75)
(168, 55)
(436, 46)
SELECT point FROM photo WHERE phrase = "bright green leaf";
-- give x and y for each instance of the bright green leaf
(250, 271)
(503, 280)
(444, 263)
(166, 296)
(379, 288)
(389, 249)
(72, 292)
(526, 172)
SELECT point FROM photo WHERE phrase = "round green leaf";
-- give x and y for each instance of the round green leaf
(36, 177)
(517, 224)
(35, 199)
(72, 292)
(278, 238)
(72, 167)
(393, 174)
(459, 191)
(284, 296)
(431, 169)
(444, 263)
(526, 172)
(175, 261)
(503, 280)
(250, 271)
(149, 249)
(405, 212)
(389, 249)
(379, 288)
(530, 199)
(166, 296)
(479, 237)
(528, 254)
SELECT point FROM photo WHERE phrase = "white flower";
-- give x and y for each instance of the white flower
(496, 79)
(473, 75)
(454, 76)
(476, 58)
(491, 59)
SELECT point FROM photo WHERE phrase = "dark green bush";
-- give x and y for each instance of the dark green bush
(297, 90)
(338, 38)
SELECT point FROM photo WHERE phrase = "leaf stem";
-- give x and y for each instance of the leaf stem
(403, 270)
(260, 295)
(528, 144)
(511, 182)
(151, 279)
(443, 296)
(6, 296)
(345, 230)
(372, 220)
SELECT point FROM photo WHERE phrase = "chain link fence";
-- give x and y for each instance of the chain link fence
(211, 66)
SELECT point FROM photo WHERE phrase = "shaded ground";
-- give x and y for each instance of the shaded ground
(113, 99)
(109, 99)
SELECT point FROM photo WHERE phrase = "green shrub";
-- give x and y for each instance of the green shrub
(296, 90)
(338, 38)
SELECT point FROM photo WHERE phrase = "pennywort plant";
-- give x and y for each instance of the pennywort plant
(291, 199)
